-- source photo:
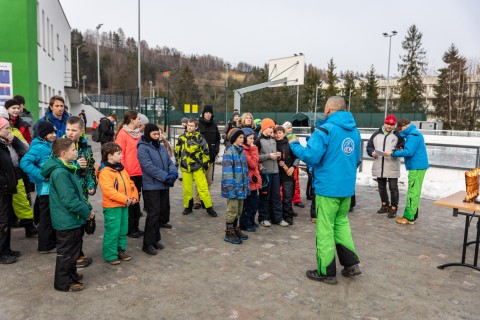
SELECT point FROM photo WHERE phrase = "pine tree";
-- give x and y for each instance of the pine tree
(312, 80)
(371, 92)
(451, 91)
(412, 69)
(332, 80)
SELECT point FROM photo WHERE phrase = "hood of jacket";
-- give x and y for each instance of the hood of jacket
(55, 163)
(343, 119)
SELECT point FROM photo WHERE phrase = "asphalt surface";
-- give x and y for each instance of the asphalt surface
(200, 276)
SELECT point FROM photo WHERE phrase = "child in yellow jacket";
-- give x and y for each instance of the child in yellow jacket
(119, 192)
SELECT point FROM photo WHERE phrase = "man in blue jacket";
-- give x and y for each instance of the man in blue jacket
(333, 151)
(56, 114)
(416, 163)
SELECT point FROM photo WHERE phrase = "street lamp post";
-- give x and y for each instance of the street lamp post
(83, 95)
(98, 62)
(227, 65)
(78, 68)
(388, 70)
(316, 100)
(349, 99)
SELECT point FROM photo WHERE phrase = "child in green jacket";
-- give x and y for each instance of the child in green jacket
(69, 212)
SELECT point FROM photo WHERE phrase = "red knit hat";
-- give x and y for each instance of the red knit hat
(390, 120)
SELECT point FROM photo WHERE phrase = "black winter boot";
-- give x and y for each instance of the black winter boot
(238, 232)
(392, 212)
(230, 235)
(384, 208)
(211, 212)
(30, 229)
(188, 210)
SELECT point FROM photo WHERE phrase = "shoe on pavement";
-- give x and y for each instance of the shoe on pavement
(212, 212)
(351, 271)
(7, 259)
(15, 254)
(392, 212)
(75, 287)
(54, 250)
(133, 234)
(313, 275)
(187, 211)
(314, 220)
(149, 250)
(166, 226)
(114, 262)
(299, 204)
(265, 223)
(158, 246)
(283, 223)
(83, 261)
(384, 208)
(231, 236)
(123, 256)
(403, 220)
(197, 206)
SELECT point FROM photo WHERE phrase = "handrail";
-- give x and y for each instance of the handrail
(441, 155)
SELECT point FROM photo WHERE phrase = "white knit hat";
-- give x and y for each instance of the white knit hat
(286, 125)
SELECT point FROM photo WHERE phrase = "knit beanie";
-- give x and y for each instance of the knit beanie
(286, 125)
(233, 134)
(3, 122)
(143, 119)
(235, 113)
(267, 123)
(207, 108)
(247, 132)
(149, 127)
(390, 120)
(184, 120)
(45, 128)
(10, 103)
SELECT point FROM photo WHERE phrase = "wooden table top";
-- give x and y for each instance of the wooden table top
(455, 201)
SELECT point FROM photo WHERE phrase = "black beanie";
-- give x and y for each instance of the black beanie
(149, 127)
(44, 128)
(207, 108)
(11, 103)
(234, 134)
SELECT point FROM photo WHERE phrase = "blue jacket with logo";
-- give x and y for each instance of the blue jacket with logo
(414, 152)
(334, 152)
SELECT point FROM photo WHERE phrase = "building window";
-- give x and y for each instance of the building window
(40, 98)
(48, 36)
(45, 96)
(60, 93)
(51, 36)
(58, 42)
(43, 29)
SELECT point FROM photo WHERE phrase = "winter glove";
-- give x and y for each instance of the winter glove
(170, 182)
(90, 226)
(205, 166)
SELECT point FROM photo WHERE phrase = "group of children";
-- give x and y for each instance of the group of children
(257, 172)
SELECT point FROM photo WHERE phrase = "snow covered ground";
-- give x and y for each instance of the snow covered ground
(439, 182)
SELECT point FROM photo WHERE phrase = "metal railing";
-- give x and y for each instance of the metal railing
(440, 155)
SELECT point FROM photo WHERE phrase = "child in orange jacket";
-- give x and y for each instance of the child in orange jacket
(119, 192)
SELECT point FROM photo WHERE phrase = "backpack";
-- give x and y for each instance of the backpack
(96, 134)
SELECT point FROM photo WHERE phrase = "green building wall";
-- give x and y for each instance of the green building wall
(18, 45)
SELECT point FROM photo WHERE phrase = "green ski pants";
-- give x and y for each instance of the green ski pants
(415, 181)
(115, 235)
(333, 232)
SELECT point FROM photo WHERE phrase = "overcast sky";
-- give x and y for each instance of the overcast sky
(257, 31)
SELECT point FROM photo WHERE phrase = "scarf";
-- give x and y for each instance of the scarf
(134, 133)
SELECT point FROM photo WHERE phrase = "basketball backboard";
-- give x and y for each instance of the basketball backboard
(292, 68)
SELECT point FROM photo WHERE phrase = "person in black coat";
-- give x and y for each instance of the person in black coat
(107, 128)
(8, 186)
(209, 130)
